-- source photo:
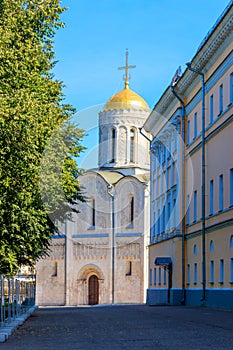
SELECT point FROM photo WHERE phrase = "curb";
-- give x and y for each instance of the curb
(11, 327)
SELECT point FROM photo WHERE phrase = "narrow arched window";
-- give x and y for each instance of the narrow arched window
(195, 249)
(132, 145)
(211, 246)
(231, 242)
(113, 139)
(131, 210)
(54, 269)
(93, 212)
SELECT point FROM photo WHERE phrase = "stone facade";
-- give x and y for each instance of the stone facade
(101, 254)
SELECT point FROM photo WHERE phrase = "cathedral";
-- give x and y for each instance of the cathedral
(101, 255)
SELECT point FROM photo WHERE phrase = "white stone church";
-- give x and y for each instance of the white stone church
(101, 257)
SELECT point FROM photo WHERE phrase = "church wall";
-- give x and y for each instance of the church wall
(105, 241)
(50, 276)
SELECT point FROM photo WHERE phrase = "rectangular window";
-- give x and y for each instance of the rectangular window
(172, 174)
(211, 271)
(221, 271)
(188, 132)
(155, 275)
(162, 182)
(150, 277)
(220, 192)
(231, 270)
(211, 197)
(165, 275)
(195, 273)
(159, 275)
(174, 212)
(168, 210)
(195, 125)
(188, 274)
(168, 177)
(231, 187)
(153, 231)
(231, 88)
(195, 206)
(211, 109)
(164, 153)
(220, 99)
(158, 186)
(163, 220)
(158, 222)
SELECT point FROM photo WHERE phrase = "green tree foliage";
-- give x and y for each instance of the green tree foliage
(31, 113)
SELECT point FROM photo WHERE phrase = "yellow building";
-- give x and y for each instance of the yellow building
(191, 239)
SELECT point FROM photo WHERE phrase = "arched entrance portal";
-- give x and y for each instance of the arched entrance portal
(93, 290)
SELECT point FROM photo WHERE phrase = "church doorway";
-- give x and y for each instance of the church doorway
(93, 290)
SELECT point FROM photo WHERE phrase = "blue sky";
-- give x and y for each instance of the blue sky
(160, 36)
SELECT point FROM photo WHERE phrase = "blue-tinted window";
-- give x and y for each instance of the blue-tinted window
(165, 276)
(168, 210)
(221, 271)
(231, 270)
(231, 242)
(220, 192)
(211, 246)
(211, 271)
(172, 174)
(195, 250)
(211, 196)
(188, 132)
(164, 153)
(150, 277)
(220, 98)
(231, 88)
(158, 222)
(158, 186)
(154, 226)
(231, 186)
(163, 220)
(195, 273)
(159, 275)
(195, 206)
(195, 125)
(188, 273)
(155, 275)
(211, 109)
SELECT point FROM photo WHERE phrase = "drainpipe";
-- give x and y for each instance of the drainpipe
(111, 192)
(146, 252)
(183, 193)
(203, 181)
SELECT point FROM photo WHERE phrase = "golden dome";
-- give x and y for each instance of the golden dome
(126, 99)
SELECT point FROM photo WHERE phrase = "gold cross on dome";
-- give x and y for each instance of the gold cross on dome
(126, 77)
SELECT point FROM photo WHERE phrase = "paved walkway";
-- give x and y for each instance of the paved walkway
(134, 327)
